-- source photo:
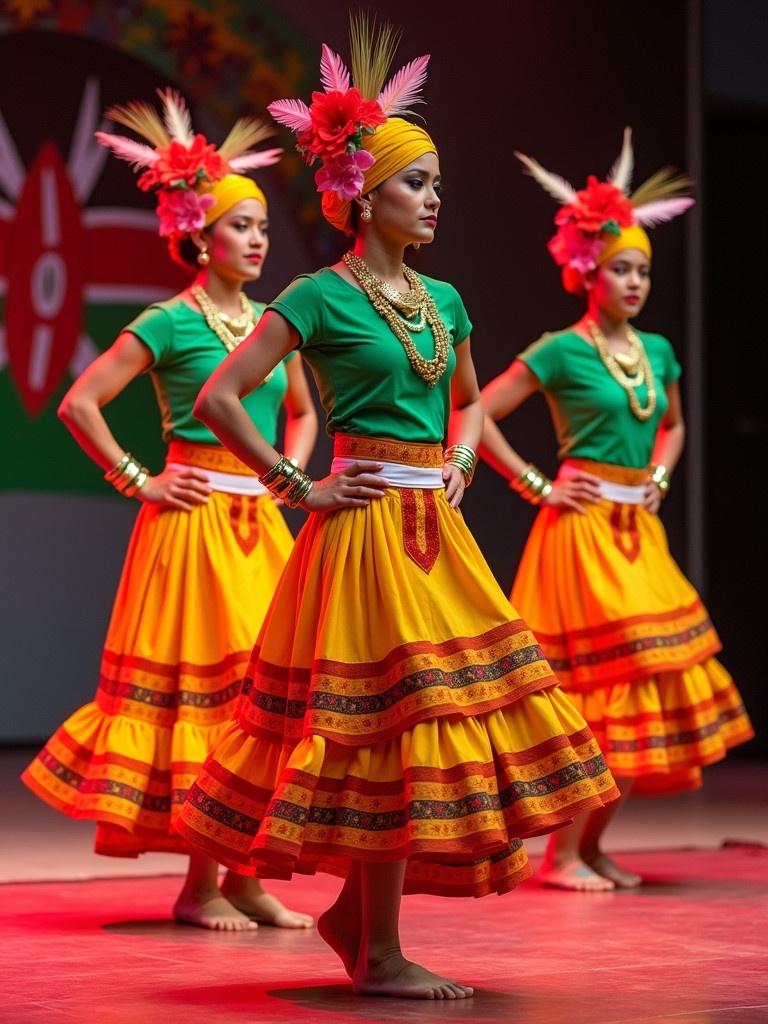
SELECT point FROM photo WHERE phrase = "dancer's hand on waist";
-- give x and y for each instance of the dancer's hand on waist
(455, 484)
(357, 486)
(177, 488)
(652, 498)
(574, 493)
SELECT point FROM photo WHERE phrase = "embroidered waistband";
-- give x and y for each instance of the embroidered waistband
(628, 476)
(207, 456)
(625, 494)
(382, 449)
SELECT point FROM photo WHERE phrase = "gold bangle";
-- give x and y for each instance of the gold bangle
(137, 483)
(117, 470)
(128, 476)
(286, 481)
(464, 457)
(661, 476)
(532, 485)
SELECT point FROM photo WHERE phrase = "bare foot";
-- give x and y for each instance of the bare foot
(576, 876)
(393, 975)
(342, 934)
(608, 868)
(210, 911)
(247, 896)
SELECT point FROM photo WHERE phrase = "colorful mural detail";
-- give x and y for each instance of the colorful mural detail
(74, 268)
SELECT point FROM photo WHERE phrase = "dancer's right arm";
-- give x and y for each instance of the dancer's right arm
(219, 406)
(81, 407)
(501, 397)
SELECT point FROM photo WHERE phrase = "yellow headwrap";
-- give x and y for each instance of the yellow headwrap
(633, 237)
(393, 146)
(228, 192)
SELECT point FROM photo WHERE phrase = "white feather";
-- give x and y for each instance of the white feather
(620, 174)
(558, 187)
(252, 161)
(294, 114)
(136, 153)
(176, 115)
(661, 210)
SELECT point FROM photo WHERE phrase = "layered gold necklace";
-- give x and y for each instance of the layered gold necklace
(230, 330)
(400, 309)
(629, 369)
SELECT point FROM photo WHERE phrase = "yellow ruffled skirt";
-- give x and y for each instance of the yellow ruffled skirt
(630, 640)
(194, 589)
(395, 707)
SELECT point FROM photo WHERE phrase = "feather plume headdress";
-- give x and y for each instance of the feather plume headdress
(331, 131)
(590, 218)
(180, 165)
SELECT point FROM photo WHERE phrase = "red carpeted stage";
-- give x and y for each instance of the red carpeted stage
(690, 947)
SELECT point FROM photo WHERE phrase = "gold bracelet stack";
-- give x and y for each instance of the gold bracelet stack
(661, 476)
(532, 485)
(128, 476)
(464, 457)
(286, 481)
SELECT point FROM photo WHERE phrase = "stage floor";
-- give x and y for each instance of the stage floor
(690, 947)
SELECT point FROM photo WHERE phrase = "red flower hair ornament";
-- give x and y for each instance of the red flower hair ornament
(605, 208)
(180, 165)
(332, 130)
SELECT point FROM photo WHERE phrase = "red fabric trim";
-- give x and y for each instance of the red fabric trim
(118, 660)
(625, 536)
(420, 521)
(359, 670)
(588, 632)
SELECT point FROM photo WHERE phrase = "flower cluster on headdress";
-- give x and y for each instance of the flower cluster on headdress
(605, 208)
(332, 130)
(179, 165)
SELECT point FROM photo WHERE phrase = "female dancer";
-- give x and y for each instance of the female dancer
(626, 633)
(397, 725)
(209, 543)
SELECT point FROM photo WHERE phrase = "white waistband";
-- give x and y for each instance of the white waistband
(624, 494)
(229, 483)
(398, 475)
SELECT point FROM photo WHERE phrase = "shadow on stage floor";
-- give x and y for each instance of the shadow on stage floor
(689, 947)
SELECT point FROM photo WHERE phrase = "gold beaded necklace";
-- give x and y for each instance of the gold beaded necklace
(230, 330)
(391, 304)
(629, 369)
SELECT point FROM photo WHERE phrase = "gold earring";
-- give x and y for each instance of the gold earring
(366, 214)
(203, 258)
(417, 245)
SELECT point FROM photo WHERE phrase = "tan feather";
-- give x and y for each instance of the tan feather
(664, 184)
(372, 48)
(620, 174)
(558, 187)
(246, 132)
(142, 119)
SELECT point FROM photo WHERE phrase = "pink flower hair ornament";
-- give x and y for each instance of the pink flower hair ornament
(588, 218)
(333, 129)
(178, 164)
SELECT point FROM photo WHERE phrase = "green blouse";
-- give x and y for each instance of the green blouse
(590, 409)
(185, 352)
(366, 384)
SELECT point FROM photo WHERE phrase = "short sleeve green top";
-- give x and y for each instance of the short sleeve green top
(366, 384)
(590, 409)
(185, 352)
